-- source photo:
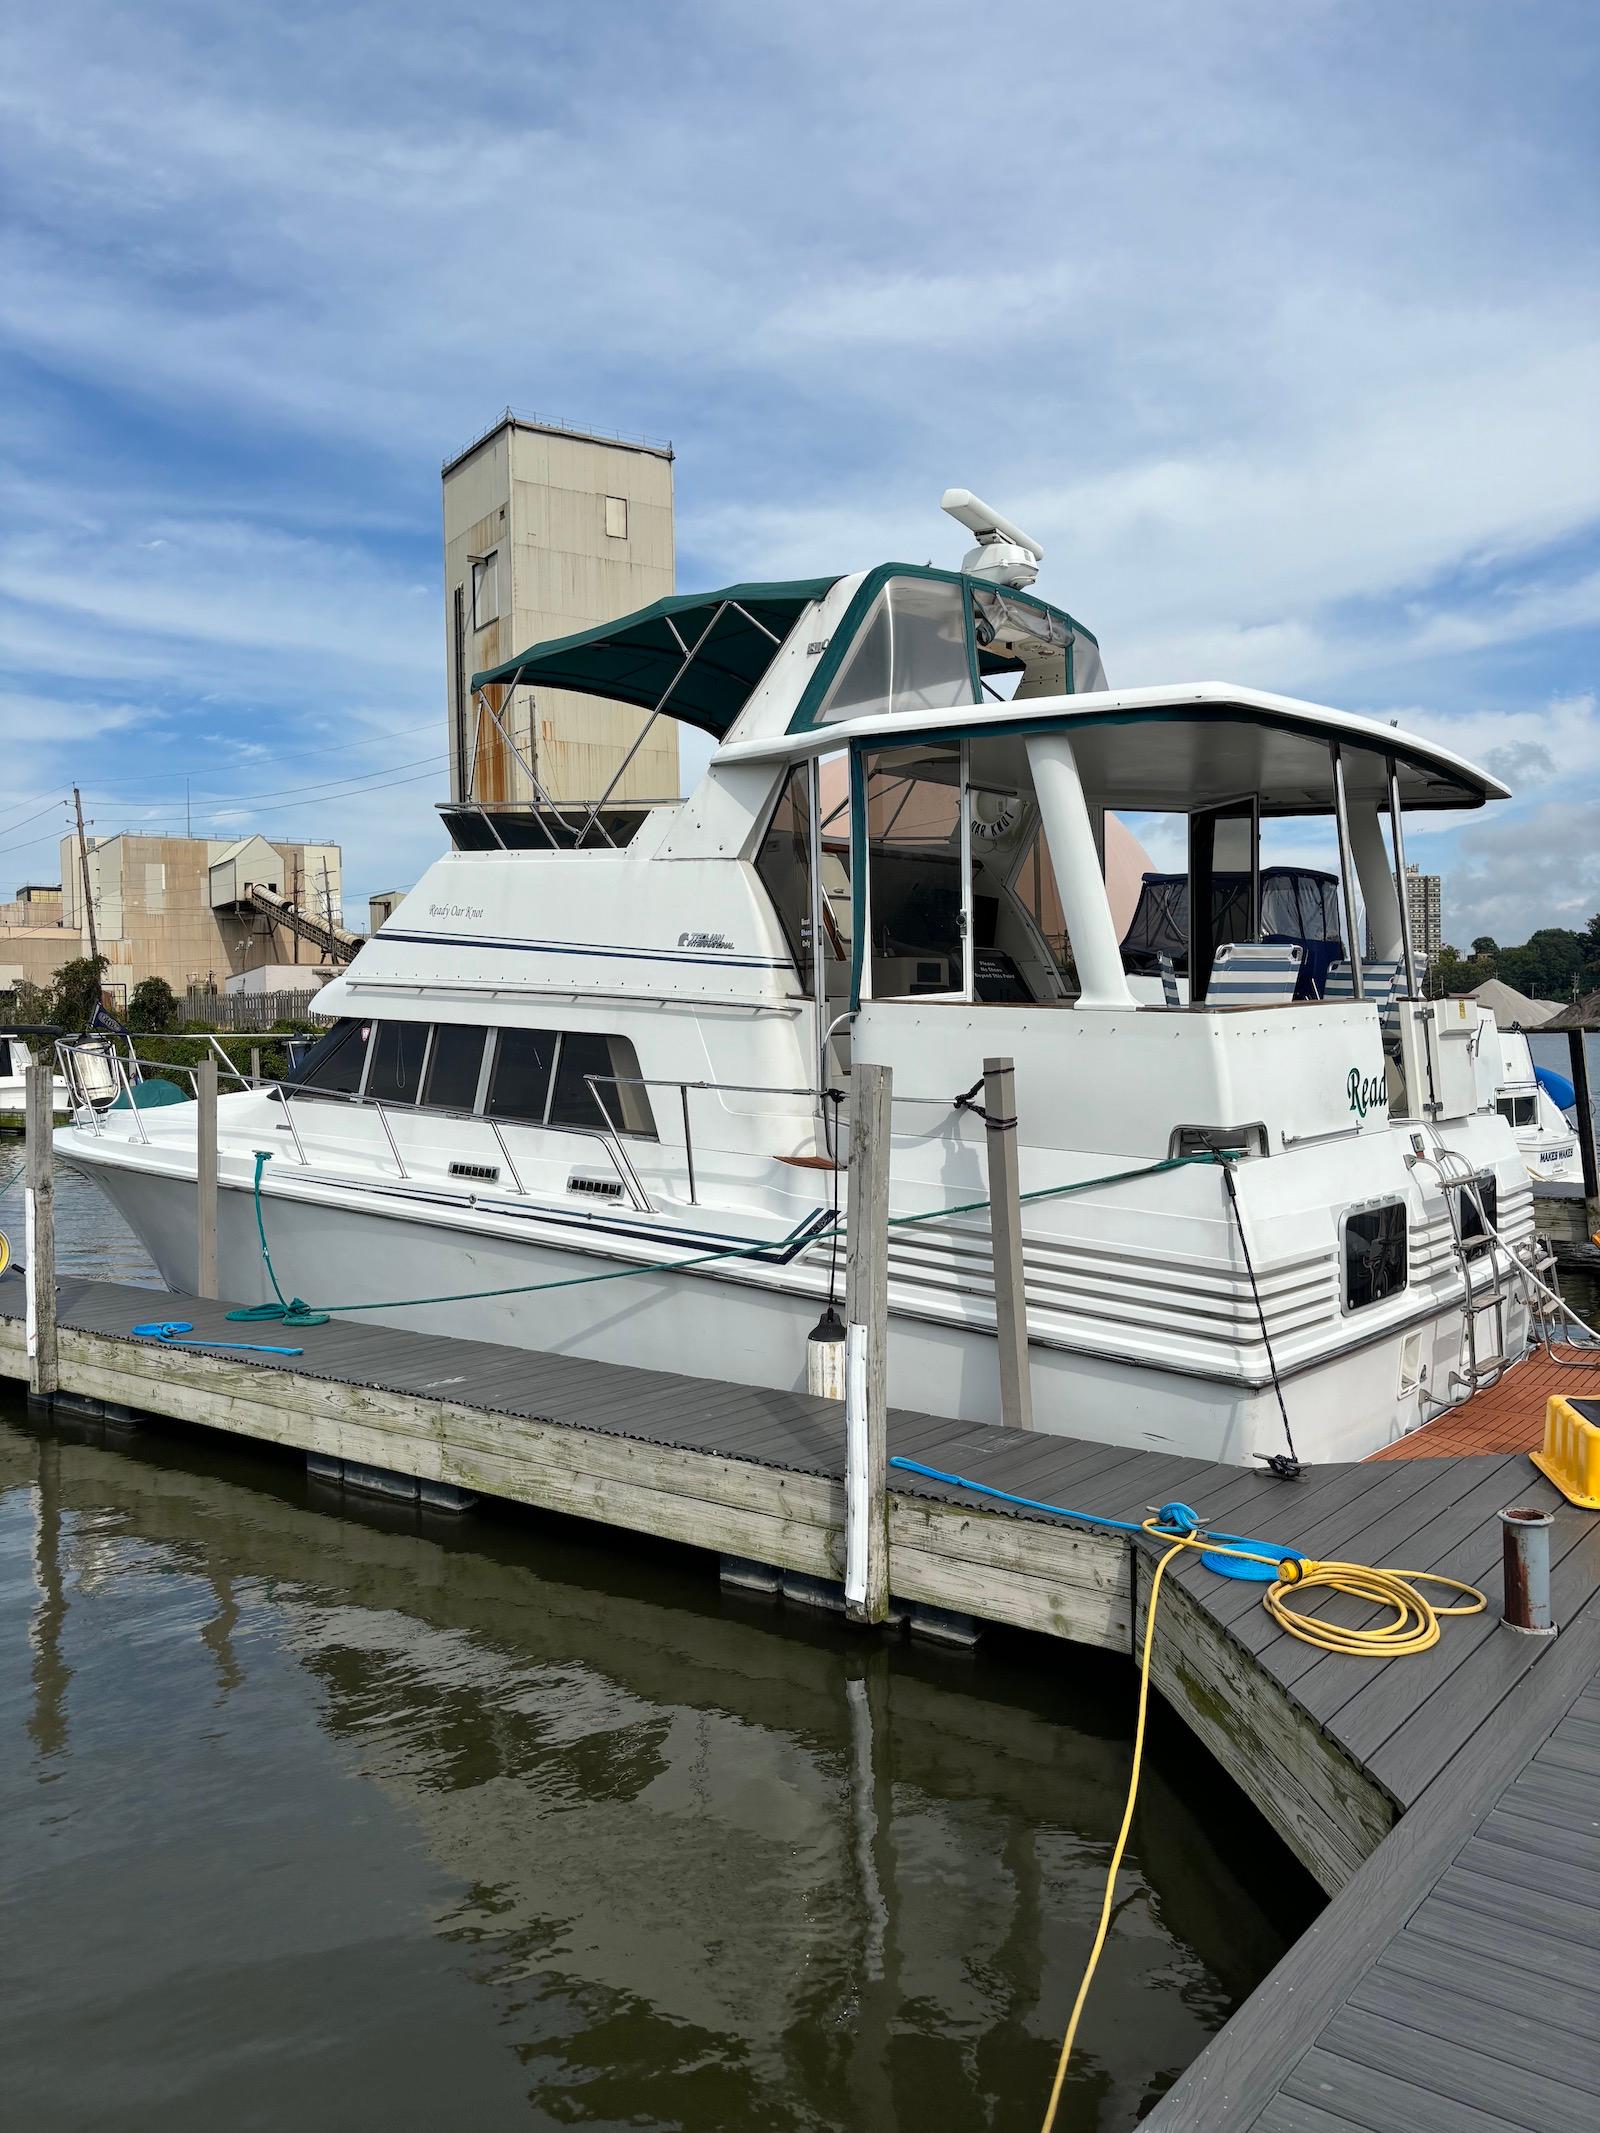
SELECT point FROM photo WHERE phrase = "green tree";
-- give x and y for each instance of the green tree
(1546, 964)
(29, 1003)
(153, 1005)
(1454, 972)
(76, 991)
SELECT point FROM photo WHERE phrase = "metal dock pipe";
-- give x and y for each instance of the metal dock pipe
(1525, 1553)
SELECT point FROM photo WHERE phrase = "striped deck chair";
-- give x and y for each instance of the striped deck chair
(1170, 995)
(1380, 981)
(1254, 973)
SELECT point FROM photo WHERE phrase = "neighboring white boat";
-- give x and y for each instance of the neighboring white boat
(13, 1061)
(1548, 1143)
(559, 1059)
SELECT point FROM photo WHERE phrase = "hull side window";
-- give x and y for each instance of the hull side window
(398, 1050)
(519, 1086)
(335, 1063)
(453, 1068)
(615, 1065)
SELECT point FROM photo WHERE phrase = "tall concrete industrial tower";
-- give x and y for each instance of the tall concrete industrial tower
(548, 531)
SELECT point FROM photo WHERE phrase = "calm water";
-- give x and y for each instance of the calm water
(329, 1818)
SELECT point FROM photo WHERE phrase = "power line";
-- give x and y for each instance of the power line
(49, 837)
(22, 821)
(212, 815)
(300, 756)
(328, 787)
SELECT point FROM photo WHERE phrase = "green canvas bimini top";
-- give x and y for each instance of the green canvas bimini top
(635, 659)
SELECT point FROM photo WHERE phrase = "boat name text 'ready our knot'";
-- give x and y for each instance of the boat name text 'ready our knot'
(1367, 1092)
(455, 910)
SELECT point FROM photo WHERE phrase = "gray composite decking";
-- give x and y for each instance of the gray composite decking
(1453, 1985)
(1454, 1981)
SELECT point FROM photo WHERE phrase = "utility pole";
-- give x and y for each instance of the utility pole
(327, 897)
(188, 819)
(294, 898)
(83, 863)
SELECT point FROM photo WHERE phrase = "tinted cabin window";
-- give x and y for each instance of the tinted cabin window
(1517, 1110)
(574, 1102)
(1374, 1255)
(453, 1069)
(784, 864)
(398, 1050)
(520, 1083)
(335, 1062)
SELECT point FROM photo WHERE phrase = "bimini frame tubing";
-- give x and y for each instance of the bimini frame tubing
(527, 769)
(690, 654)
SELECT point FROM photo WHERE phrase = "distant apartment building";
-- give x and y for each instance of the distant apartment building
(549, 531)
(1423, 909)
(182, 908)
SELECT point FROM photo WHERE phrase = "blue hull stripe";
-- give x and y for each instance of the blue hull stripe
(680, 956)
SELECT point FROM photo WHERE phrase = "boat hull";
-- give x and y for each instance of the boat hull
(726, 1325)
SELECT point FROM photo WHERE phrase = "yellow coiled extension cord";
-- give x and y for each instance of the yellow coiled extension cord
(1412, 1626)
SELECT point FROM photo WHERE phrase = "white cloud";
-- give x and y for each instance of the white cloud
(1282, 335)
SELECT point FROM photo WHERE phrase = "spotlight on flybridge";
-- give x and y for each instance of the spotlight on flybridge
(1005, 555)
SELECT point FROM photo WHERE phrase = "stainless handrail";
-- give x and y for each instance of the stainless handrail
(388, 1134)
(127, 1087)
(493, 1125)
(281, 1093)
(612, 1143)
(662, 1081)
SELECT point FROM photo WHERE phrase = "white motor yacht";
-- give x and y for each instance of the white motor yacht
(13, 1064)
(563, 1059)
(1549, 1143)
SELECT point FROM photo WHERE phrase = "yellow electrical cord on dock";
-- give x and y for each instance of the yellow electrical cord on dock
(1121, 1844)
(1413, 1627)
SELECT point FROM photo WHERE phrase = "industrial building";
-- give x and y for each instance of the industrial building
(186, 909)
(549, 531)
(31, 949)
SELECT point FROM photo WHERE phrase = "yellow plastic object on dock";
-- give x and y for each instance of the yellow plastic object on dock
(5, 1251)
(1571, 1454)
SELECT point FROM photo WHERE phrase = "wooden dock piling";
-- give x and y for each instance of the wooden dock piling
(866, 1346)
(1005, 1228)
(44, 1376)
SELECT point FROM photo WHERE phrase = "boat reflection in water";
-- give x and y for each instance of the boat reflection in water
(337, 1818)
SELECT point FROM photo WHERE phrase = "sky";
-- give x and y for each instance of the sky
(1280, 324)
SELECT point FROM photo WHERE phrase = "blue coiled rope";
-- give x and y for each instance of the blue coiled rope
(1174, 1521)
